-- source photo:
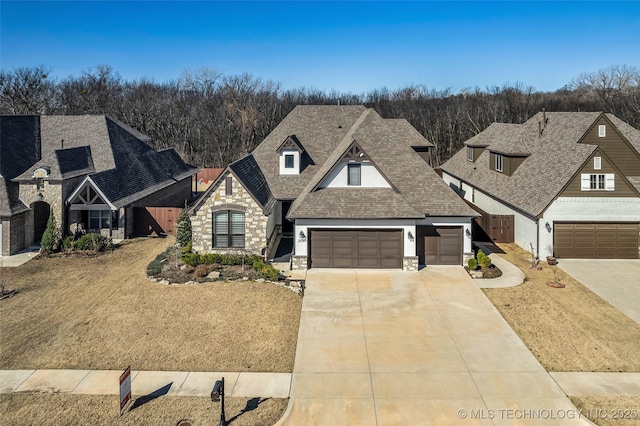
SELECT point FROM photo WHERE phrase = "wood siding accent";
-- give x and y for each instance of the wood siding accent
(477, 152)
(616, 148)
(442, 245)
(155, 220)
(622, 188)
(596, 240)
(509, 164)
(371, 248)
(514, 163)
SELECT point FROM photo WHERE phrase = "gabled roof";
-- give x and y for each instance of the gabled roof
(417, 191)
(554, 158)
(116, 156)
(291, 142)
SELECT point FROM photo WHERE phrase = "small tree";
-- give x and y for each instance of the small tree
(183, 234)
(50, 238)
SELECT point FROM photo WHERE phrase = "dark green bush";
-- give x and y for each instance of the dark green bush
(192, 259)
(85, 242)
(268, 272)
(50, 240)
(68, 242)
(183, 234)
(210, 258)
(155, 267)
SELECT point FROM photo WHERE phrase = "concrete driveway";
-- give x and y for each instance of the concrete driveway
(387, 348)
(616, 281)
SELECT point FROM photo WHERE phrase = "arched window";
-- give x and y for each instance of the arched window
(228, 229)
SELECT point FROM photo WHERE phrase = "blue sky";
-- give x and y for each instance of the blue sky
(345, 46)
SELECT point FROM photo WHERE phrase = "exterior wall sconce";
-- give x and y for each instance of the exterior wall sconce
(301, 237)
(548, 227)
(468, 233)
(410, 236)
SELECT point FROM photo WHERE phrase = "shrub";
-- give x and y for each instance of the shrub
(269, 272)
(155, 267)
(210, 258)
(50, 241)
(85, 242)
(473, 264)
(187, 248)
(183, 233)
(483, 259)
(191, 259)
(68, 242)
(100, 242)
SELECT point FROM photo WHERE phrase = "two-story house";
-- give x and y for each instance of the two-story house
(338, 187)
(569, 181)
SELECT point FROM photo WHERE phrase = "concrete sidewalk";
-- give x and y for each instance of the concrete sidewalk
(19, 258)
(598, 384)
(511, 274)
(181, 383)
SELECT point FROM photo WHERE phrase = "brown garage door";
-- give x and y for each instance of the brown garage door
(596, 240)
(356, 249)
(443, 245)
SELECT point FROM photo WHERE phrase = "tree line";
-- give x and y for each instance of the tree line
(212, 119)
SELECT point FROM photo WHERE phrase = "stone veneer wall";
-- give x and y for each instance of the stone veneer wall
(298, 262)
(51, 194)
(255, 221)
(410, 263)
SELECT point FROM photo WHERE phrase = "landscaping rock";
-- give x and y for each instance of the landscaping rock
(213, 275)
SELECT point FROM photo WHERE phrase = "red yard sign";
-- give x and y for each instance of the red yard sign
(125, 389)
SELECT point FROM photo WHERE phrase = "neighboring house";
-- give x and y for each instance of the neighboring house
(568, 183)
(92, 172)
(339, 187)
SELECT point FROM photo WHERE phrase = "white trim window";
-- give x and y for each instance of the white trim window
(499, 162)
(597, 182)
(99, 219)
(597, 163)
(228, 229)
(602, 131)
(469, 154)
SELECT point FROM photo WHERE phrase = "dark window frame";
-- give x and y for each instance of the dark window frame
(597, 182)
(228, 188)
(352, 181)
(289, 161)
(229, 231)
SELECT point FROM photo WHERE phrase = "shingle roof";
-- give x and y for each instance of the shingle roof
(319, 128)
(418, 191)
(116, 156)
(247, 171)
(554, 158)
(19, 149)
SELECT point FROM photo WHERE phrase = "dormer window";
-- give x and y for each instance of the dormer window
(290, 156)
(289, 161)
(469, 153)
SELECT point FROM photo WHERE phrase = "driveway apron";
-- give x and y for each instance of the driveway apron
(392, 347)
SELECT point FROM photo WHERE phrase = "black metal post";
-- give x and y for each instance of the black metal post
(223, 420)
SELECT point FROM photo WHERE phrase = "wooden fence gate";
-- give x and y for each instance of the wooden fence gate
(498, 227)
(155, 220)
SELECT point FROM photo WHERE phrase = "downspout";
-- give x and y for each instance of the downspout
(538, 238)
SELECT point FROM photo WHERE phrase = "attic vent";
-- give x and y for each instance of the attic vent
(339, 126)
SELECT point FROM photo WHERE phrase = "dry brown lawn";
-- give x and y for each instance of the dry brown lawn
(103, 313)
(569, 329)
(62, 409)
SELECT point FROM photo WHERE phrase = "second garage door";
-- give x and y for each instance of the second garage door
(596, 240)
(442, 245)
(380, 248)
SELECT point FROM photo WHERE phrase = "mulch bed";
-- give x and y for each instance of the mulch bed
(491, 272)
(182, 274)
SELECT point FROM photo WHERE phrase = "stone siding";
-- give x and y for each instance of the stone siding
(51, 194)
(410, 263)
(298, 263)
(255, 221)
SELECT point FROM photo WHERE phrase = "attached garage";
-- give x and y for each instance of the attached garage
(369, 248)
(596, 240)
(442, 245)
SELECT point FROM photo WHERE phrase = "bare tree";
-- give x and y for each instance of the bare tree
(27, 91)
